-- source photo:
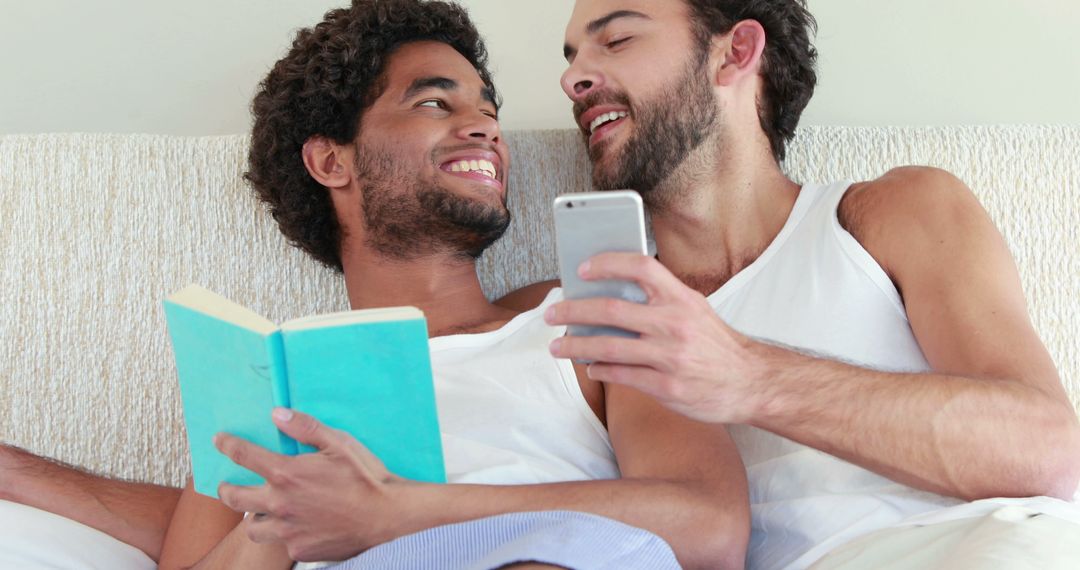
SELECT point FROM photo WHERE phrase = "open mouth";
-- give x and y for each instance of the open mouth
(599, 122)
(482, 167)
(607, 119)
(479, 169)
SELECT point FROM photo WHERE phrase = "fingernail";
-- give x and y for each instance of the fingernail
(583, 269)
(588, 371)
(283, 414)
(555, 345)
(216, 439)
(549, 314)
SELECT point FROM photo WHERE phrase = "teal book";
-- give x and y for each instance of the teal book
(366, 372)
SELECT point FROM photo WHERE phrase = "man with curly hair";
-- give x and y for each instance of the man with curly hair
(916, 381)
(377, 148)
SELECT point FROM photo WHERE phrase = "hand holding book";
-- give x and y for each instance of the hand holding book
(341, 498)
(365, 372)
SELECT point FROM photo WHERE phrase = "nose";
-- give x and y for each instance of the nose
(581, 78)
(479, 126)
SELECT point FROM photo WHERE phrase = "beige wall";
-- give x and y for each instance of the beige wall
(190, 67)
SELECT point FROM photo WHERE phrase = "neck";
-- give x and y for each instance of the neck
(723, 214)
(446, 288)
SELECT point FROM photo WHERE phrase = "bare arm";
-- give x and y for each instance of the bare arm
(953, 435)
(134, 513)
(682, 480)
(238, 551)
(992, 419)
(708, 522)
(206, 534)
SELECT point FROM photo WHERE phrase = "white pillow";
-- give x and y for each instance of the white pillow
(32, 539)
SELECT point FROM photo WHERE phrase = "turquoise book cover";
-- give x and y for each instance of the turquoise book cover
(365, 372)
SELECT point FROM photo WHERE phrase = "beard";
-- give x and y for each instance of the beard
(669, 127)
(407, 217)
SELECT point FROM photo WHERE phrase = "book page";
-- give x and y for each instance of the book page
(209, 303)
(350, 317)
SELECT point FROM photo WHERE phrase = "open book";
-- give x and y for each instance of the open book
(365, 372)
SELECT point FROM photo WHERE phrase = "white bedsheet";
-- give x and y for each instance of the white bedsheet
(995, 534)
(32, 539)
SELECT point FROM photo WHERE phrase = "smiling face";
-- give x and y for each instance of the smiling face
(430, 159)
(639, 82)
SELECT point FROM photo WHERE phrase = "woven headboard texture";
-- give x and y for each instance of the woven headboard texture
(96, 229)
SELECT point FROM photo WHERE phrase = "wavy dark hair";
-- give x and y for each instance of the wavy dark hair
(331, 75)
(788, 67)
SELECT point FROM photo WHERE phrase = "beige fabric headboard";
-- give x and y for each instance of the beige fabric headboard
(96, 229)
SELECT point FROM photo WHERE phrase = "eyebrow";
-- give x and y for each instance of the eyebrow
(599, 24)
(422, 84)
(488, 93)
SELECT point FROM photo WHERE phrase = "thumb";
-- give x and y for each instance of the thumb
(303, 428)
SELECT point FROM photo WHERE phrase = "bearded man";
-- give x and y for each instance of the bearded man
(868, 342)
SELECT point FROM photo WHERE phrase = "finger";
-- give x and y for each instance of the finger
(604, 311)
(308, 430)
(267, 530)
(648, 273)
(641, 378)
(247, 454)
(607, 349)
(304, 428)
(244, 499)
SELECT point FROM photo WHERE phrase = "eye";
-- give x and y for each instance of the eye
(618, 42)
(433, 103)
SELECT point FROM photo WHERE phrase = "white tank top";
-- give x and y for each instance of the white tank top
(512, 414)
(817, 289)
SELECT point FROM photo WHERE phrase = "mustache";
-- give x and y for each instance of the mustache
(490, 147)
(600, 97)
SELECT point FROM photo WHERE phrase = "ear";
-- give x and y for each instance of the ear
(327, 162)
(737, 53)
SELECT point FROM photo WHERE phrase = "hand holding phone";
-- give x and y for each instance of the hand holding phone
(587, 225)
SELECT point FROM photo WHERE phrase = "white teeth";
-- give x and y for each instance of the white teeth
(485, 167)
(606, 118)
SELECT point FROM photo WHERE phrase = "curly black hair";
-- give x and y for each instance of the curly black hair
(331, 75)
(789, 60)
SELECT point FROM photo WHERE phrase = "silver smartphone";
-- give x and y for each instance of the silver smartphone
(592, 223)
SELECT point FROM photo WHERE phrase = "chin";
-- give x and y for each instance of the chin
(606, 176)
(604, 158)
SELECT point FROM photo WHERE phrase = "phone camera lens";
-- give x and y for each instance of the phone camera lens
(569, 204)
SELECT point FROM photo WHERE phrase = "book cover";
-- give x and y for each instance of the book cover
(365, 372)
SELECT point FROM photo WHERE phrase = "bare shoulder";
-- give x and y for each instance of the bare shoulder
(918, 220)
(908, 207)
(528, 297)
(904, 195)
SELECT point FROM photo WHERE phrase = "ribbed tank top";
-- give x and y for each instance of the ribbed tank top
(815, 288)
(510, 413)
